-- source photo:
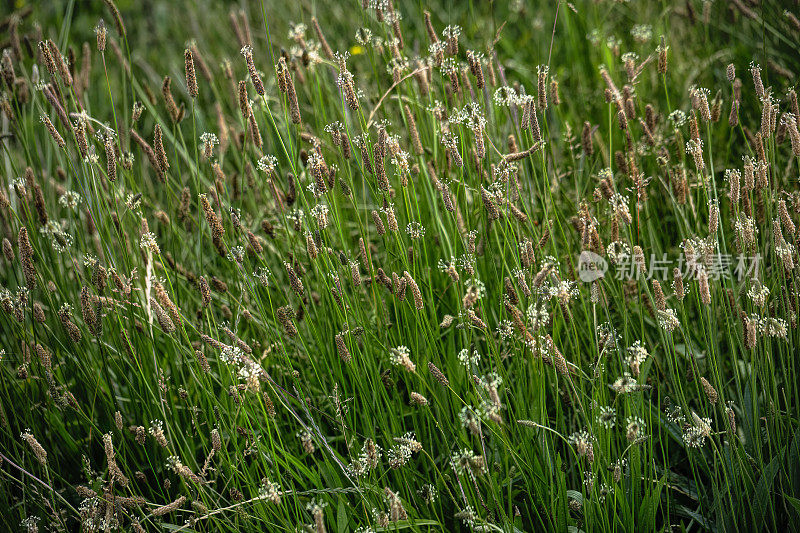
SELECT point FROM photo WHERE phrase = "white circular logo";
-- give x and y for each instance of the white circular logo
(591, 266)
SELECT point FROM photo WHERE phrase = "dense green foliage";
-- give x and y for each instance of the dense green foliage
(357, 299)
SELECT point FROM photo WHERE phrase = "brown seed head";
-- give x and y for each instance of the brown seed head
(294, 280)
(658, 296)
(255, 77)
(415, 292)
(117, 17)
(703, 287)
(53, 132)
(677, 284)
(285, 315)
(438, 375)
(60, 63)
(169, 508)
(191, 76)
(341, 347)
(38, 451)
(160, 152)
(711, 392)
(169, 101)
(26, 258)
(102, 34)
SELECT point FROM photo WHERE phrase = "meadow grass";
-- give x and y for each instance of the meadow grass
(425, 267)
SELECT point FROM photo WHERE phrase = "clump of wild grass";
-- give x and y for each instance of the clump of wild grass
(397, 274)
